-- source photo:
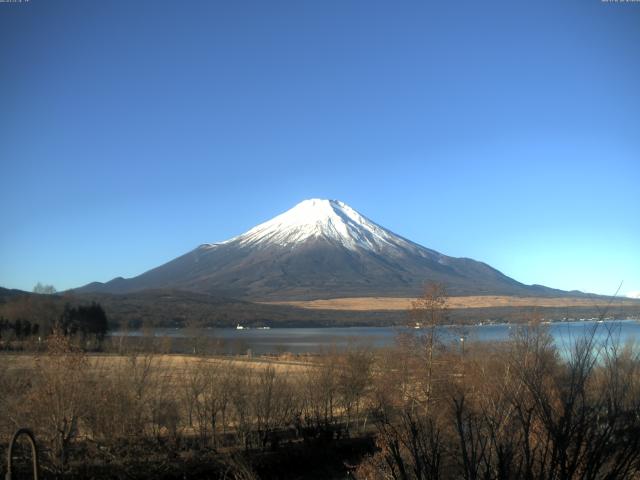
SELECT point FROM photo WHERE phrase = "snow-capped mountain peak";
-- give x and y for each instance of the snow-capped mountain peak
(318, 249)
(330, 220)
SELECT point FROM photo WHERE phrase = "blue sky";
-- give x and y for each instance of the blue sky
(509, 132)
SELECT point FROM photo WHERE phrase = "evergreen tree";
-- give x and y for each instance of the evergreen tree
(17, 328)
(85, 319)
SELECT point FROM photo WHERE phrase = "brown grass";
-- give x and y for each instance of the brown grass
(177, 364)
(396, 303)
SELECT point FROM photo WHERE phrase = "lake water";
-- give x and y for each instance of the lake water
(311, 340)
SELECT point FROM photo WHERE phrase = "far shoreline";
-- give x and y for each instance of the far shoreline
(118, 333)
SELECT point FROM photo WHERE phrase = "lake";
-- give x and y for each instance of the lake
(312, 340)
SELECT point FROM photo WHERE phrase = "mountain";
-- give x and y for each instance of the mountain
(8, 294)
(320, 249)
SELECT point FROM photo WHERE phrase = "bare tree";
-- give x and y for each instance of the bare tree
(429, 312)
(44, 289)
(319, 393)
(58, 397)
(241, 388)
(355, 369)
(272, 404)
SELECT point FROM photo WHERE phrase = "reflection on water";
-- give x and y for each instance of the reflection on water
(311, 340)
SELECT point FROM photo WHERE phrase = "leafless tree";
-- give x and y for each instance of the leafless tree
(429, 312)
(44, 289)
(272, 402)
(318, 390)
(354, 377)
(241, 388)
(57, 400)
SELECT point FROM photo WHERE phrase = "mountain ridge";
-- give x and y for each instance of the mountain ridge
(320, 249)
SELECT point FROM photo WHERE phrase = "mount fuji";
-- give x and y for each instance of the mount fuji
(319, 249)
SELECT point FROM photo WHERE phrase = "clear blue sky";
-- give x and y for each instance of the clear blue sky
(505, 131)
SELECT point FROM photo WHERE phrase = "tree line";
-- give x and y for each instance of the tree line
(82, 321)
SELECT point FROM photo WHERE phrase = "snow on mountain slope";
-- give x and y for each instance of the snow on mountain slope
(316, 218)
(319, 249)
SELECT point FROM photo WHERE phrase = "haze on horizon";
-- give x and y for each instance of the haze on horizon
(131, 132)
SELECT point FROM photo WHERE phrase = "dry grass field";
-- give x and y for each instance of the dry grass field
(176, 366)
(487, 301)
